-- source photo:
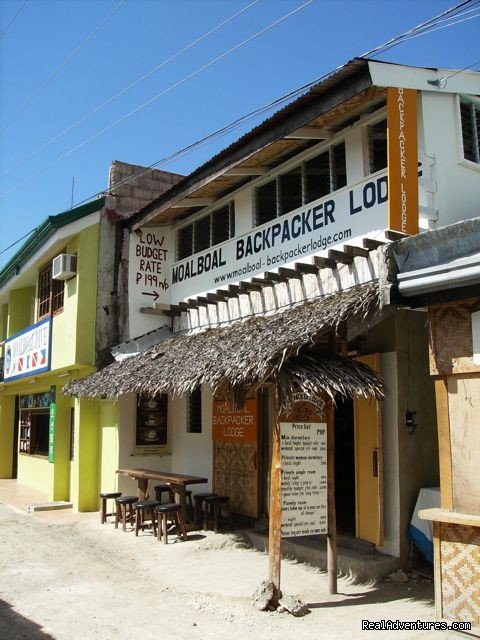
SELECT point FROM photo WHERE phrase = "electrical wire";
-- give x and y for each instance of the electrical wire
(29, 233)
(70, 57)
(13, 19)
(156, 97)
(276, 103)
(424, 26)
(130, 86)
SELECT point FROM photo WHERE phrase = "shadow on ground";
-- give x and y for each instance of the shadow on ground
(384, 592)
(14, 626)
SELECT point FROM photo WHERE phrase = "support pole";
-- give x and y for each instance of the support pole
(275, 513)
(332, 515)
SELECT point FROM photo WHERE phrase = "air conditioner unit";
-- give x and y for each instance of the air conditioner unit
(64, 267)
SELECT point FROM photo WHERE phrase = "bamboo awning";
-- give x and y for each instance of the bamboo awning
(238, 358)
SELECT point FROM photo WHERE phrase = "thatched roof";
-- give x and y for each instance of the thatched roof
(281, 348)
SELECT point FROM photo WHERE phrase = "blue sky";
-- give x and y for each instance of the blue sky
(60, 60)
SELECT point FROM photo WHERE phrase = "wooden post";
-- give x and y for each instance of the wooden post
(332, 514)
(275, 513)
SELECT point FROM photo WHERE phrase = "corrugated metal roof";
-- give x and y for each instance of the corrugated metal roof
(323, 86)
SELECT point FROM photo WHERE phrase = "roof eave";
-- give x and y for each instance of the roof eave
(346, 82)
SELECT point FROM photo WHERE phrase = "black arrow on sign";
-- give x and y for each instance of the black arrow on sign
(155, 294)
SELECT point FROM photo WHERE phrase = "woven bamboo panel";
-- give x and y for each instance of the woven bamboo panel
(451, 346)
(236, 476)
(460, 572)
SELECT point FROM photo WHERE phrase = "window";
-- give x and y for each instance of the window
(309, 181)
(377, 146)
(50, 293)
(206, 232)
(470, 117)
(194, 418)
(34, 426)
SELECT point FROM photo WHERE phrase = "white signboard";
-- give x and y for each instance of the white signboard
(303, 447)
(150, 257)
(318, 226)
(28, 352)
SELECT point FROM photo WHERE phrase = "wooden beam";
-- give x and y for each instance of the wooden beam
(173, 311)
(309, 133)
(263, 282)
(340, 256)
(151, 311)
(392, 235)
(246, 171)
(306, 267)
(355, 251)
(275, 277)
(226, 293)
(249, 286)
(214, 298)
(371, 244)
(194, 202)
(444, 443)
(203, 302)
(275, 511)
(290, 273)
(324, 263)
(331, 509)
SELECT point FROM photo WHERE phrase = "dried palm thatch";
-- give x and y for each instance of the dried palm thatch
(239, 358)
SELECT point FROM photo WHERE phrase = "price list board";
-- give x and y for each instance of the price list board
(303, 447)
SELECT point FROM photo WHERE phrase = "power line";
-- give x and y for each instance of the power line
(396, 40)
(159, 95)
(235, 124)
(130, 86)
(13, 19)
(64, 63)
(276, 103)
(29, 233)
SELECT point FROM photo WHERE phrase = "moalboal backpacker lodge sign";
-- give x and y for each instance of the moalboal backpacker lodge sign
(335, 219)
(28, 352)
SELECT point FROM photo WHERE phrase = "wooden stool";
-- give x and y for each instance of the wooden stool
(160, 489)
(142, 509)
(216, 503)
(199, 499)
(166, 513)
(103, 507)
(124, 503)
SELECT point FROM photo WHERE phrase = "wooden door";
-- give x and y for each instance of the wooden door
(236, 475)
(368, 463)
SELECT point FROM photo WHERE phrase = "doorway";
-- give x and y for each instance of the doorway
(345, 466)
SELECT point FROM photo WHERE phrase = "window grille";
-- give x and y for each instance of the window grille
(470, 118)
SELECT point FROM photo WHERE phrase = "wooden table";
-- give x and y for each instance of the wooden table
(178, 482)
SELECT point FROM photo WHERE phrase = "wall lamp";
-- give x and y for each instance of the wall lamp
(411, 421)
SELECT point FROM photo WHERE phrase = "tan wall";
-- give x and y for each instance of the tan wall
(405, 333)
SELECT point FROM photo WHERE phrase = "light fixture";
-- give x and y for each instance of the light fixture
(411, 421)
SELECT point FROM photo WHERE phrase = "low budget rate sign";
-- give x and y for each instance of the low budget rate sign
(303, 447)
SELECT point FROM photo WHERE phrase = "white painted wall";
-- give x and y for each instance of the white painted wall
(191, 453)
(458, 180)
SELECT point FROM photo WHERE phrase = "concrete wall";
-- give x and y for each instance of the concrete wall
(457, 179)
(73, 332)
(20, 310)
(410, 460)
(418, 452)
